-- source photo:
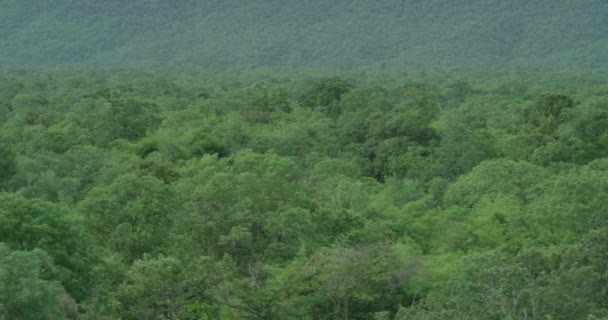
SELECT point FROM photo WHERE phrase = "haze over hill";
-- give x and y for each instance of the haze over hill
(113, 33)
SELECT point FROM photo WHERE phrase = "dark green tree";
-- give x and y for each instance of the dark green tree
(325, 95)
(8, 164)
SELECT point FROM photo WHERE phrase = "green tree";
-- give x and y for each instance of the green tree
(569, 208)
(465, 142)
(495, 177)
(8, 164)
(132, 215)
(115, 114)
(25, 289)
(261, 104)
(587, 136)
(230, 208)
(29, 224)
(356, 282)
(166, 288)
(537, 139)
(537, 283)
(325, 95)
(10, 88)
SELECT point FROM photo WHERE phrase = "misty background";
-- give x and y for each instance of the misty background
(148, 33)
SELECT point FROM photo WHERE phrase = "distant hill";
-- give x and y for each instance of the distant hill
(443, 33)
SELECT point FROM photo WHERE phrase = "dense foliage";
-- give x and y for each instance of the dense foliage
(303, 194)
(115, 33)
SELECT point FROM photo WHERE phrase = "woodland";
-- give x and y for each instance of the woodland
(273, 193)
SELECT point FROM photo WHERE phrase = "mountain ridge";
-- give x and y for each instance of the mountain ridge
(143, 33)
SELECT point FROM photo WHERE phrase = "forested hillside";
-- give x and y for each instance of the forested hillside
(113, 33)
(305, 194)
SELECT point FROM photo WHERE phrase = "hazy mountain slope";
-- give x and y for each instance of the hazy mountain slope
(303, 32)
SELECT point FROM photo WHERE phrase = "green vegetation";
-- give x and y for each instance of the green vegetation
(436, 33)
(251, 193)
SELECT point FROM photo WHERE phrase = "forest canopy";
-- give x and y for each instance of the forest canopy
(269, 193)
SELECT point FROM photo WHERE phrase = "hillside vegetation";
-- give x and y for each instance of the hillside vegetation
(112, 33)
(303, 194)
